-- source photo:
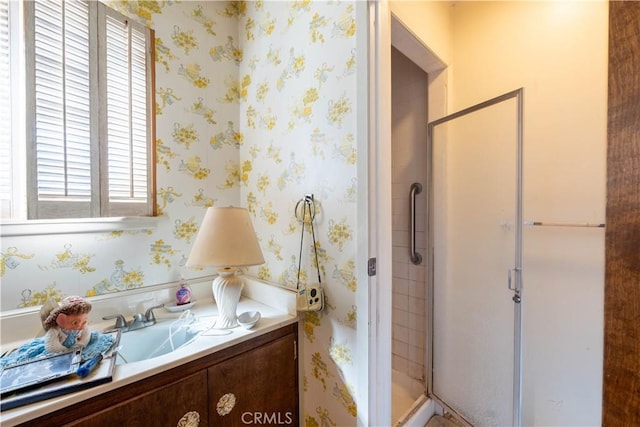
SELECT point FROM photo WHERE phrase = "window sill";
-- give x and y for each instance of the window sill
(76, 225)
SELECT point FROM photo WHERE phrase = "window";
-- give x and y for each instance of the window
(5, 112)
(88, 139)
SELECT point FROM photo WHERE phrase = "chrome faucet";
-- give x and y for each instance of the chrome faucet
(139, 320)
(149, 316)
(121, 323)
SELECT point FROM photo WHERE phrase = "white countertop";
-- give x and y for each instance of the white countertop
(208, 342)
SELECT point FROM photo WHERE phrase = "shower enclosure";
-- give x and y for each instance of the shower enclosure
(457, 218)
(475, 281)
(409, 286)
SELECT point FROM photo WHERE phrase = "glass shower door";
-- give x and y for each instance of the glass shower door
(475, 252)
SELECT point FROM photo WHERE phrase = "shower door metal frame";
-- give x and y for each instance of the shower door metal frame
(514, 284)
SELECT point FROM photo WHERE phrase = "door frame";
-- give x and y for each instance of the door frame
(386, 30)
(378, 291)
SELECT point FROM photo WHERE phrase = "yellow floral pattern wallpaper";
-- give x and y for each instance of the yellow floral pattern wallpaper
(256, 106)
(297, 97)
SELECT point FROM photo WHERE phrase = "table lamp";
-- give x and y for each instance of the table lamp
(226, 240)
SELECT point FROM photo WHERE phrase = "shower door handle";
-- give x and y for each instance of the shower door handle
(416, 188)
(513, 285)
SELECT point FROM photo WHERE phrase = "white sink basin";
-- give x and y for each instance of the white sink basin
(153, 341)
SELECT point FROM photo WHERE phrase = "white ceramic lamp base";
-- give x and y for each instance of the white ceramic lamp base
(227, 288)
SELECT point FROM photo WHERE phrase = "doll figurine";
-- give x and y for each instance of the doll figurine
(65, 324)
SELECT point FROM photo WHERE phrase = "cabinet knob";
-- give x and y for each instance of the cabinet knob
(226, 404)
(190, 419)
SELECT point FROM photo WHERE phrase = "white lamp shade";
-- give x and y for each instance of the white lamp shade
(226, 238)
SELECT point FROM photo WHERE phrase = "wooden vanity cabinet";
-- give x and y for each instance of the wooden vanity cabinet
(259, 387)
(250, 383)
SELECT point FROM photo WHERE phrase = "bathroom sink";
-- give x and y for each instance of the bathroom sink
(153, 341)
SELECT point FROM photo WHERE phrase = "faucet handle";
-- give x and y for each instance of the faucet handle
(149, 316)
(120, 321)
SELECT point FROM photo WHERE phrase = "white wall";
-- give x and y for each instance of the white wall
(429, 21)
(557, 51)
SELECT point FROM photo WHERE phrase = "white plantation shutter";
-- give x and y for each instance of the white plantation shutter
(61, 114)
(88, 111)
(5, 113)
(127, 106)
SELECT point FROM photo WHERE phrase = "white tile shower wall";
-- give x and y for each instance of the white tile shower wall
(409, 165)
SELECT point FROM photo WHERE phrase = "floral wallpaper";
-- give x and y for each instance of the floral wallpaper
(256, 107)
(298, 118)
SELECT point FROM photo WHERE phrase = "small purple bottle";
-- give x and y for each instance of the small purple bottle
(183, 295)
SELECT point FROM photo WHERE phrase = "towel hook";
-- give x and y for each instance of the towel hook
(308, 201)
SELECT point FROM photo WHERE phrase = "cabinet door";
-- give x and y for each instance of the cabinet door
(184, 400)
(256, 387)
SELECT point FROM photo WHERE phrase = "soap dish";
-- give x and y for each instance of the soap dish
(174, 307)
(248, 319)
